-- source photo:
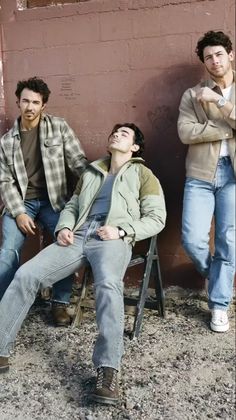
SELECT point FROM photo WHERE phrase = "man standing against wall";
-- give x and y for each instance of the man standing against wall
(35, 156)
(207, 124)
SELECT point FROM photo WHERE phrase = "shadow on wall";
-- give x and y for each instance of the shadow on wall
(3, 124)
(157, 108)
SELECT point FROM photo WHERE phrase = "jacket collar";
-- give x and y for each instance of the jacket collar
(103, 164)
(213, 85)
(43, 119)
(16, 128)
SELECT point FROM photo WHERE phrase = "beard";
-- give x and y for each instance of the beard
(220, 72)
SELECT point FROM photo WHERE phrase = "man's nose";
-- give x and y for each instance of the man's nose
(215, 59)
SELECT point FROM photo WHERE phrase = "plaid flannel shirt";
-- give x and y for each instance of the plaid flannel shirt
(60, 150)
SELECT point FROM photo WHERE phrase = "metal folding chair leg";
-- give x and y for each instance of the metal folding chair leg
(79, 306)
(152, 267)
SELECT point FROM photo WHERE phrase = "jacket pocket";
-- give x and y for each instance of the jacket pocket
(131, 204)
(53, 148)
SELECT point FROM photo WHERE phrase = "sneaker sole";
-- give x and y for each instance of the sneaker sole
(219, 328)
(104, 400)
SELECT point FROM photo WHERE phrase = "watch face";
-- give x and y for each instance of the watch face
(221, 102)
(121, 233)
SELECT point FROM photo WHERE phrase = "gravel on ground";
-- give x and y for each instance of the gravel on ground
(177, 370)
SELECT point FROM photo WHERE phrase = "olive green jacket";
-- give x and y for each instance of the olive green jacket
(203, 127)
(137, 201)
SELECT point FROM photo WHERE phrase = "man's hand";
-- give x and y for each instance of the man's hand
(65, 237)
(108, 232)
(206, 94)
(25, 224)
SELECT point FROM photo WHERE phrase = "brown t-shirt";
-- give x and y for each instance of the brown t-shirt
(30, 145)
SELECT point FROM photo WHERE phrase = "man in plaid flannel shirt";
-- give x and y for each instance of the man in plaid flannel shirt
(35, 156)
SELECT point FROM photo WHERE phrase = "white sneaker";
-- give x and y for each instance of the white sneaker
(219, 320)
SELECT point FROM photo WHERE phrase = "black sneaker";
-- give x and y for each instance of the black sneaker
(4, 364)
(106, 390)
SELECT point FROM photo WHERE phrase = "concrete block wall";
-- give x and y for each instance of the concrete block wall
(109, 61)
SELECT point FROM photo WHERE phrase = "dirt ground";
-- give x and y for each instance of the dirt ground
(178, 369)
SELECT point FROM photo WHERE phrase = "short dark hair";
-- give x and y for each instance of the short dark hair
(213, 38)
(36, 85)
(138, 136)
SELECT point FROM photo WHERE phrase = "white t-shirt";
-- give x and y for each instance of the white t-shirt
(224, 150)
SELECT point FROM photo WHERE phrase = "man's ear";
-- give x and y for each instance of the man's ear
(43, 107)
(135, 147)
(231, 56)
(17, 103)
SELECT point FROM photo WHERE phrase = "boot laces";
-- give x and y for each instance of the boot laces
(107, 378)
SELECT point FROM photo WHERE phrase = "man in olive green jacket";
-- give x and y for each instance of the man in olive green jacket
(207, 124)
(118, 201)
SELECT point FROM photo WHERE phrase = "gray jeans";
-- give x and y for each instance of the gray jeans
(108, 259)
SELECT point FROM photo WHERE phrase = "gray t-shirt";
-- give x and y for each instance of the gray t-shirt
(102, 202)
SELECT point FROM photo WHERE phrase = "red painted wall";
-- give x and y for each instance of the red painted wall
(109, 61)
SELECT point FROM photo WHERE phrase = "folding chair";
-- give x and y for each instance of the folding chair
(151, 270)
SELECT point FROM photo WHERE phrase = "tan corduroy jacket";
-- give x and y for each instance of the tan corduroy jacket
(203, 127)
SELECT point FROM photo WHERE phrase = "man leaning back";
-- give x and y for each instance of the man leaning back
(117, 202)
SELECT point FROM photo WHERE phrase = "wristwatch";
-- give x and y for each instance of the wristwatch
(221, 102)
(121, 233)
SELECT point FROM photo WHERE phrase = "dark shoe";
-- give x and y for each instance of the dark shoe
(60, 316)
(106, 390)
(4, 364)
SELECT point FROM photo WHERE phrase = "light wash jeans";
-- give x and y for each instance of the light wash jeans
(108, 259)
(13, 240)
(202, 201)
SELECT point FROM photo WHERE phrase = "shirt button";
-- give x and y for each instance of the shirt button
(226, 135)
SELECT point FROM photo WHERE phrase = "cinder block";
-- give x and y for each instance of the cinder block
(147, 23)
(160, 52)
(98, 57)
(43, 62)
(116, 25)
(22, 35)
(72, 30)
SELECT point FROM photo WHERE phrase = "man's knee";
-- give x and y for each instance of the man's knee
(26, 279)
(193, 244)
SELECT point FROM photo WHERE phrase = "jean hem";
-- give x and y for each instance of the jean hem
(62, 302)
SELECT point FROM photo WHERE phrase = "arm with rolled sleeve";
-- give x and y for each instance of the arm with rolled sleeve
(194, 126)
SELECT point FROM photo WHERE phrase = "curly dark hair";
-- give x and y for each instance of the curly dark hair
(213, 38)
(36, 85)
(138, 136)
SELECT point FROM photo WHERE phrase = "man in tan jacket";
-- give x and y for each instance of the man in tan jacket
(207, 124)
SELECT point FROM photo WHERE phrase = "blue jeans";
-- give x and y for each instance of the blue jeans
(202, 201)
(13, 240)
(108, 259)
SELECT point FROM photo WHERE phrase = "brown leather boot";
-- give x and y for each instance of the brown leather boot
(106, 390)
(4, 364)
(60, 316)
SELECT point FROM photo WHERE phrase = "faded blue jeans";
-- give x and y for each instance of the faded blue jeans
(13, 240)
(108, 259)
(202, 201)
